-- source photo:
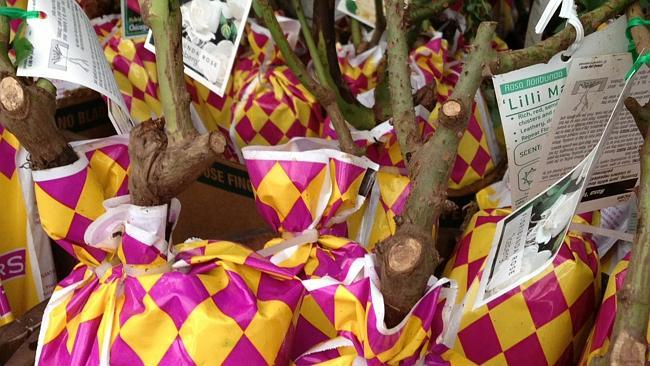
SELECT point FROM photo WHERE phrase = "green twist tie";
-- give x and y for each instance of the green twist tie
(631, 47)
(17, 13)
(643, 59)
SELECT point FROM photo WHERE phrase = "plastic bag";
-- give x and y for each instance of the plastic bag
(133, 299)
(307, 190)
(599, 340)
(544, 320)
(27, 274)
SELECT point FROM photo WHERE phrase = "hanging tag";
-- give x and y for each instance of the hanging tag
(527, 241)
(66, 48)
(132, 24)
(527, 99)
(212, 31)
(361, 10)
(591, 92)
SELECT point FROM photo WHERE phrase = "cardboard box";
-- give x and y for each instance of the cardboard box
(220, 205)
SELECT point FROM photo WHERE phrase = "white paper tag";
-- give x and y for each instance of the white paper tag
(361, 10)
(212, 30)
(527, 241)
(527, 99)
(591, 92)
(66, 48)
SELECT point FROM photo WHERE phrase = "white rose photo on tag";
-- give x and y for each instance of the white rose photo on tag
(212, 30)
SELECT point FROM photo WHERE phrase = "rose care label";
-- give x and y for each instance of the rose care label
(527, 240)
(212, 30)
(132, 24)
(527, 99)
(590, 96)
(66, 48)
(361, 10)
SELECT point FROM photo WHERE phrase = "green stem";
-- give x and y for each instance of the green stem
(628, 340)
(399, 79)
(544, 50)
(164, 19)
(6, 67)
(427, 10)
(432, 163)
(323, 94)
(355, 28)
(311, 43)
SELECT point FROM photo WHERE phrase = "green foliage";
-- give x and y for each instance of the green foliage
(476, 11)
(23, 48)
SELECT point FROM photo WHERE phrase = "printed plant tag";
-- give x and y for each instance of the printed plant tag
(132, 24)
(66, 48)
(591, 92)
(361, 10)
(527, 241)
(212, 30)
(527, 99)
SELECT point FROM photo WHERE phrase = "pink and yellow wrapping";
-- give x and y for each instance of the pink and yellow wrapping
(541, 322)
(599, 339)
(271, 106)
(306, 190)
(359, 70)
(27, 274)
(355, 307)
(135, 300)
(478, 150)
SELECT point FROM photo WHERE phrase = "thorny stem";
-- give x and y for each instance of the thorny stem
(353, 112)
(325, 96)
(428, 10)
(399, 79)
(164, 19)
(628, 340)
(544, 50)
(628, 345)
(431, 175)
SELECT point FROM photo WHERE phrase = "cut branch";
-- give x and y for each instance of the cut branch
(323, 94)
(168, 154)
(27, 110)
(399, 79)
(429, 169)
(544, 50)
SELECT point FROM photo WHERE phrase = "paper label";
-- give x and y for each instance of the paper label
(591, 93)
(528, 240)
(132, 24)
(66, 48)
(361, 10)
(212, 30)
(527, 99)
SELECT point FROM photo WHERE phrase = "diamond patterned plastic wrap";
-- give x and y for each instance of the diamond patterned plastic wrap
(307, 190)
(27, 274)
(599, 341)
(133, 299)
(543, 321)
(478, 151)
